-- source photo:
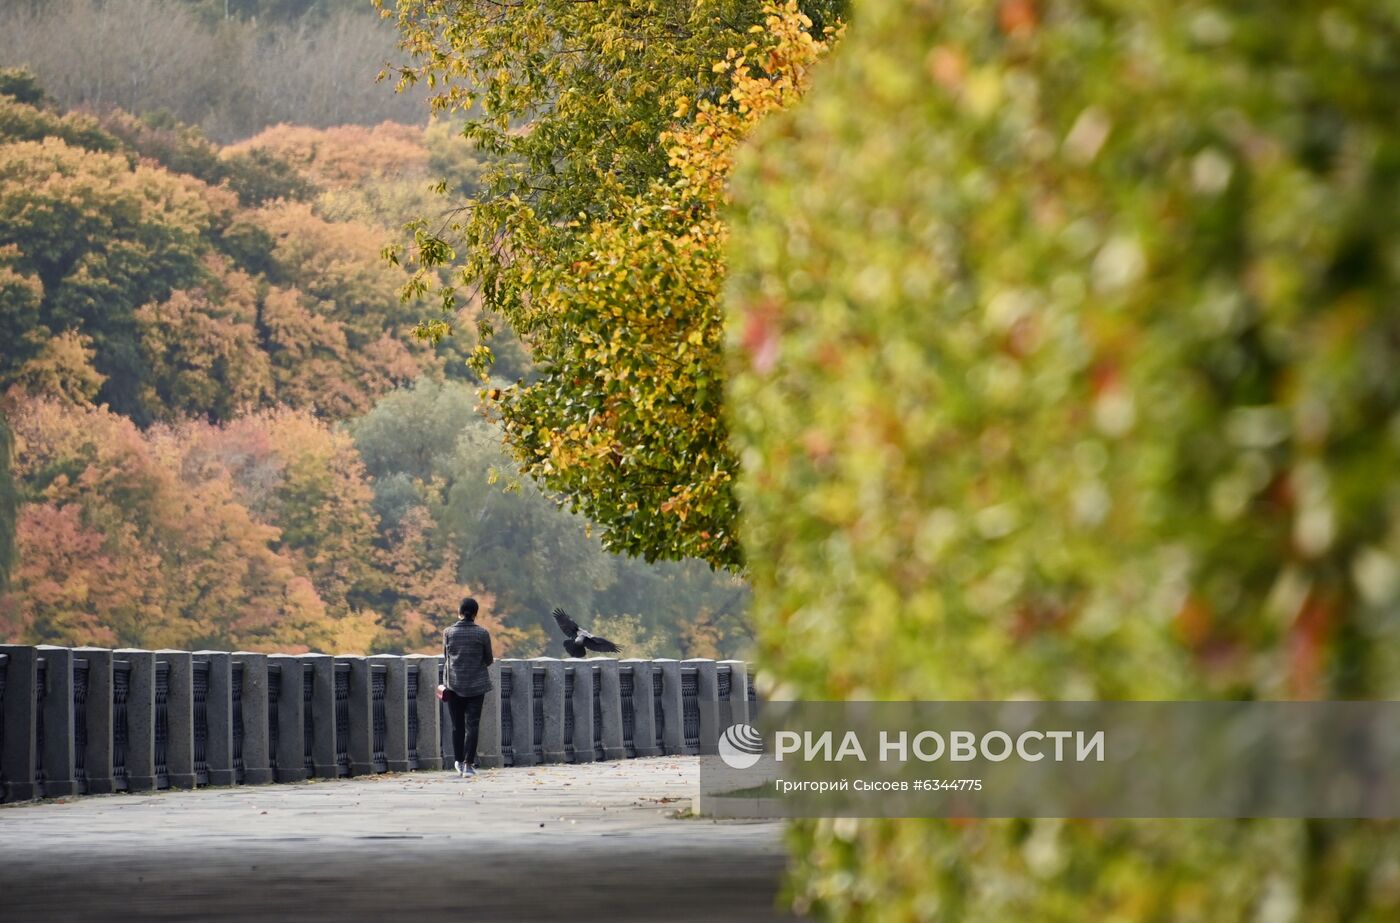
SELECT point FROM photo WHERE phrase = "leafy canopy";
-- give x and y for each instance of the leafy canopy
(597, 235)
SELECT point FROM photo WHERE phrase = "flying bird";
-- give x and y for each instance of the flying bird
(577, 641)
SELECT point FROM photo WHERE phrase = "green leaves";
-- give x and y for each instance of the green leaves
(598, 248)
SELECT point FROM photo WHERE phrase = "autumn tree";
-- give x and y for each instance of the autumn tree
(123, 542)
(346, 155)
(189, 302)
(21, 120)
(603, 248)
(294, 470)
(385, 176)
(256, 176)
(257, 533)
(101, 238)
(60, 368)
(203, 348)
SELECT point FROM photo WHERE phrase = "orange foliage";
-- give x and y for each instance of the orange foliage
(343, 157)
(203, 349)
(61, 367)
(334, 321)
(124, 545)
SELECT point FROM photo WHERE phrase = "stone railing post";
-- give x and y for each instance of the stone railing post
(218, 704)
(737, 711)
(611, 701)
(323, 743)
(140, 719)
(257, 755)
(396, 706)
(672, 707)
(21, 717)
(643, 707)
(293, 755)
(179, 712)
(427, 745)
(552, 745)
(58, 721)
(361, 744)
(581, 700)
(707, 686)
(97, 758)
(488, 743)
(522, 711)
(444, 717)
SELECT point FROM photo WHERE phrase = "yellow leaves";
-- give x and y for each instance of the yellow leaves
(620, 305)
(676, 506)
(704, 153)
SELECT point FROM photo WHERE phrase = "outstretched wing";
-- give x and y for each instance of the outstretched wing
(603, 645)
(566, 624)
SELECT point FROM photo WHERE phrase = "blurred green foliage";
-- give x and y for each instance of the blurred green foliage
(1064, 339)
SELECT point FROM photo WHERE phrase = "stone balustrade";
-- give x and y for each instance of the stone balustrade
(90, 720)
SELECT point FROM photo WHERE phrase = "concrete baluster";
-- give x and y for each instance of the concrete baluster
(179, 716)
(643, 707)
(257, 754)
(581, 700)
(488, 744)
(522, 713)
(610, 701)
(218, 704)
(18, 762)
(429, 711)
(396, 706)
(97, 757)
(738, 693)
(672, 706)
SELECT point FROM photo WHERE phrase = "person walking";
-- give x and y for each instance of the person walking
(466, 653)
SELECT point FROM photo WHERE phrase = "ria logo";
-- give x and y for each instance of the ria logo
(740, 746)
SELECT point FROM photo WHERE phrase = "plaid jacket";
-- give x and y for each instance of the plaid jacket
(466, 653)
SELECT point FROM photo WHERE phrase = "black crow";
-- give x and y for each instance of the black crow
(579, 642)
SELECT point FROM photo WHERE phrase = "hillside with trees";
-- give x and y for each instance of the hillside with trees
(223, 435)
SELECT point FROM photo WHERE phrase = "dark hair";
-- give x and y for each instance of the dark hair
(468, 609)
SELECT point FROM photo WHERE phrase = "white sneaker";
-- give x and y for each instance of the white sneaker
(460, 770)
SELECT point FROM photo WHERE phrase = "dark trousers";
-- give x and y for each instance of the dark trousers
(465, 711)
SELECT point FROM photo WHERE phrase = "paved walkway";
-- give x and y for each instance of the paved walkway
(589, 842)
